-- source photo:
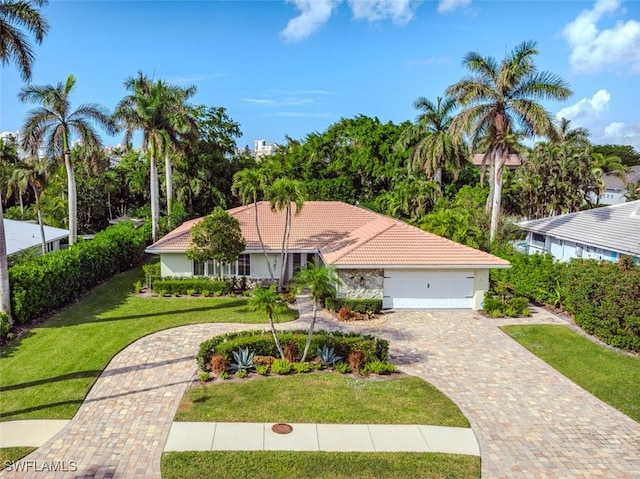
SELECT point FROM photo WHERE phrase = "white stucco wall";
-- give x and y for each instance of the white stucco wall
(175, 264)
(480, 287)
(259, 267)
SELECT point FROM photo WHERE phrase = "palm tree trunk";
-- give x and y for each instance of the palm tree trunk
(21, 205)
(5, 292)
(285, 262)
(169, 182)
(264, 249)
(497, 193)
(437, 177)
(489, 203)
(153, 188)
(311, 328)
(275, 337)
(42, 236)
(72, 198)
(282, 254)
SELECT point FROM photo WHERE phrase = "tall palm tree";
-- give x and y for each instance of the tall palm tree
(52, 124)
(32, 174)
(504, 97)
(268, 301)
(322, 282)
(157, 109)
(433, 147)
(284, 194)
(14, 45)
(247, 185)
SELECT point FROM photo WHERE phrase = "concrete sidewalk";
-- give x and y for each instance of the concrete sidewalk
(225, 436)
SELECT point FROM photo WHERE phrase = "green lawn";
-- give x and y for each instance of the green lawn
(46, 373)
(9, 455)
(607, 374)
(312, 465)
(321, 397)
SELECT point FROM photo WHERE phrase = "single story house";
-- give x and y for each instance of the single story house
(376, 256)
(601, 233)
(25, 235)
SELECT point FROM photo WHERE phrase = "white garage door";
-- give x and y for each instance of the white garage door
(422, 289)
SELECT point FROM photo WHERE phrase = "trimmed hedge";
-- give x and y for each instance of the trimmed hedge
(183, 285)
(262, 344)
(50, 281)
(357, 305)
(603, 297)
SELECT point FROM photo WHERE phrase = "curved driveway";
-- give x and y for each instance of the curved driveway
(531, 422)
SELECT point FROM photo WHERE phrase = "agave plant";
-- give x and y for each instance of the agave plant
(327, 356)
(244, 360)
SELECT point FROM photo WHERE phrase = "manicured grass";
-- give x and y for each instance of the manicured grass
(310, 465)
(321, 397)
(607, 374)
(9, 455)
(46, 373)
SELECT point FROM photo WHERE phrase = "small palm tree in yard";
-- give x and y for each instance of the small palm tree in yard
(268, 301)
(322, 281)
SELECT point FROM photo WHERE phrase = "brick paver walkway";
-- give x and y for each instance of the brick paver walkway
(530, 421)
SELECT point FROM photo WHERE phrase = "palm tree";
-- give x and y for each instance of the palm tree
(283, 194)
(52, 125)
(157, 109)
(565, 135)
(322, 282)
(433, 147)
(14, 45)
(501, 97)
(247, 185)
(268, 301)
(32, 175)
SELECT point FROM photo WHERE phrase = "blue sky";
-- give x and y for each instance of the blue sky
(291, 68)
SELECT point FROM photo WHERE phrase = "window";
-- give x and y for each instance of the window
(297, 262)
(579, 250)
(537, 239)
(311, 258)
(211, 268)
(50, 247)
(244, 265)
(198, 268)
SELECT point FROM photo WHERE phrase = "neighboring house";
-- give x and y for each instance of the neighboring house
(513, 161)
(24, 235)
(615, 189)
(376, 256)
(601, 233)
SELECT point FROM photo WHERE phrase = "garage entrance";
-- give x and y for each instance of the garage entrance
(424, 289)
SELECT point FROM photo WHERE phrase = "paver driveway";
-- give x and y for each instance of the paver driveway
(531, 422)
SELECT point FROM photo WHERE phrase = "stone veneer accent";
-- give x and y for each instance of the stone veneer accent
(361, 283)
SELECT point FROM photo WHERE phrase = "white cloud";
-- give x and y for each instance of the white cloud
(619, 133)
(593, 49)
(260, 101)
(446, 6)
(586, 108)
(314, 14)
(400, 11)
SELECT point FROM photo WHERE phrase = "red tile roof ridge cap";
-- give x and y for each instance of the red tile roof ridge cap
(390, 223)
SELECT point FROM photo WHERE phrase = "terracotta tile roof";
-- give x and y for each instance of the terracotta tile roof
(345, 235)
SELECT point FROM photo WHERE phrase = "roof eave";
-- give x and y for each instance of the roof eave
(422, 266)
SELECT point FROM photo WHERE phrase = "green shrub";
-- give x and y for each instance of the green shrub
(5, 327)
(358, 305)
(241, 373)
(342, 367)
(281, 366)
(380, 367)
(261, 342)
(302, 368)
(262, 369)
(205, 292)
(204, 376)
(47, 282)
(183, 285)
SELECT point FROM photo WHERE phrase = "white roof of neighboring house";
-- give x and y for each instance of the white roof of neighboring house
(616, 228)
(614, 183)
(21, 235)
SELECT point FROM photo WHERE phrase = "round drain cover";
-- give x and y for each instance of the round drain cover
(281, 428)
